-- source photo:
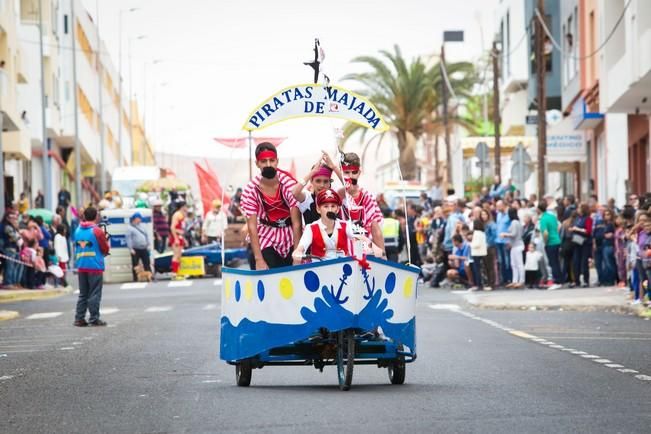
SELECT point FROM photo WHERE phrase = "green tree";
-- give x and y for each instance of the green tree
(408, 96)
(402, 92)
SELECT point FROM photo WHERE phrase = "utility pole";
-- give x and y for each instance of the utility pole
(102, 174)
(78, 191)
(496, 109)
(47, 185)
(542, 99)
(444, 94)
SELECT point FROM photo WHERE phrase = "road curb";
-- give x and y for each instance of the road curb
(8, 314)
(623, 309)
(10, 296)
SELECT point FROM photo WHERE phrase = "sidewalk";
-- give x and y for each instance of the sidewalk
(578, 299)
(13, 295)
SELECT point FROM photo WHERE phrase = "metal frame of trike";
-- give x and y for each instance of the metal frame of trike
(341, 348)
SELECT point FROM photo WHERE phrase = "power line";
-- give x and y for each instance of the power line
(596, 51)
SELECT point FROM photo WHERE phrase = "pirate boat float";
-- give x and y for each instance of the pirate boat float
(356, 309)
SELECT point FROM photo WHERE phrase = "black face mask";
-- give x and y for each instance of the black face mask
(331, 215)
(352, 181)
(269, 172)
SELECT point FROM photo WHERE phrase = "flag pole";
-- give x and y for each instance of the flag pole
(404, 203)
(250, 160)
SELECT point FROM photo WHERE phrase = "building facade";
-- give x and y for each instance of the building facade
(41, 159)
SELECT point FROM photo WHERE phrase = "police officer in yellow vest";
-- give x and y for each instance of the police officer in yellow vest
(393, 237)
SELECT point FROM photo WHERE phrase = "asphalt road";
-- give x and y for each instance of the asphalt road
(156, 369)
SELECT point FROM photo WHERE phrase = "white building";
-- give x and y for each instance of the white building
(625, 97)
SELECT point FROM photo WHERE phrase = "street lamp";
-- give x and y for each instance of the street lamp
(122, 12)
(131, 39)
(448, 36)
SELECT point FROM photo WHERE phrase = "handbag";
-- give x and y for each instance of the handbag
(578, 239)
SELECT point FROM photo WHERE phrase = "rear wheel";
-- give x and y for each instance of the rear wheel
(345, 358)
(243, 372)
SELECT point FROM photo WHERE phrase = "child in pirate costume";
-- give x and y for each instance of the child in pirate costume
(328, 237)
(360, 205)
(320, 178)
(273, 220)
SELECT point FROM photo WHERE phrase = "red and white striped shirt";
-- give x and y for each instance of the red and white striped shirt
(363, 210)
(281, 239)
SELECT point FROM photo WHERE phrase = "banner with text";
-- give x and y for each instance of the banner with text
(315, 100)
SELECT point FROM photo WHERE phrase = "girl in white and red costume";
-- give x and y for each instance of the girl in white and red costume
(328, 237)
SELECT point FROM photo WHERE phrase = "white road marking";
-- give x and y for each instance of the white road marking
(217, 282)
(453, 307)
(6, 377)
(66, 348)
(549, 344)
(211, 381)
(158, 309)
(180, 283)
(134, 285)
(209, 307)
(108, 310)
(44, 315)
(76, 292)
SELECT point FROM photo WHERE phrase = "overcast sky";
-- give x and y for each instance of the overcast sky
(219, 58)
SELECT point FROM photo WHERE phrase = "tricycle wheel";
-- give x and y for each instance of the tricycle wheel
(243, 372)
(345, 358)
(397, 371)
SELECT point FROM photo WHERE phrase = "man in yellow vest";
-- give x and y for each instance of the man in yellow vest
(393, 237)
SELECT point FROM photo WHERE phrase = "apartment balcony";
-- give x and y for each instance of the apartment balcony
(16, 145)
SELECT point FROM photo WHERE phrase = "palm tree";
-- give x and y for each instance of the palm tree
(408, 97)
(402, 92)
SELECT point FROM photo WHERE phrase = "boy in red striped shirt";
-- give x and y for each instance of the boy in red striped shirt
(272, 217)
(360, 205)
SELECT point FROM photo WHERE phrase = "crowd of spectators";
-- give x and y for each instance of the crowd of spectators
(499, 239)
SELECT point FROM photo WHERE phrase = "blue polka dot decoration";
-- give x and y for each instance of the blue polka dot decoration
(390, 283)
(311, 281)
(260, 290)
(238, 291)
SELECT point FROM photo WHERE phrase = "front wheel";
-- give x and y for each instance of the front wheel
(243, 372)
(397, 371)
(345, 358)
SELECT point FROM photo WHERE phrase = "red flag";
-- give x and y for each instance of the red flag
(241, 142)
(292, 169)
(276, 141)
(237, 143)
(209, 187)
(211, 171)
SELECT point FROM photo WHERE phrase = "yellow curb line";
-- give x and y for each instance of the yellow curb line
(8, 314)
(38, 294)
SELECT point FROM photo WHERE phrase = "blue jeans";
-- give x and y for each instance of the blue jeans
(13, 270)
(90, 296)
(504, 261)
(608, 267)
(553, 257)
(599, 263)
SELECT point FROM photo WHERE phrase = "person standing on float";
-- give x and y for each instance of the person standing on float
(360, 205)
(272, 216)
(320, 178)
